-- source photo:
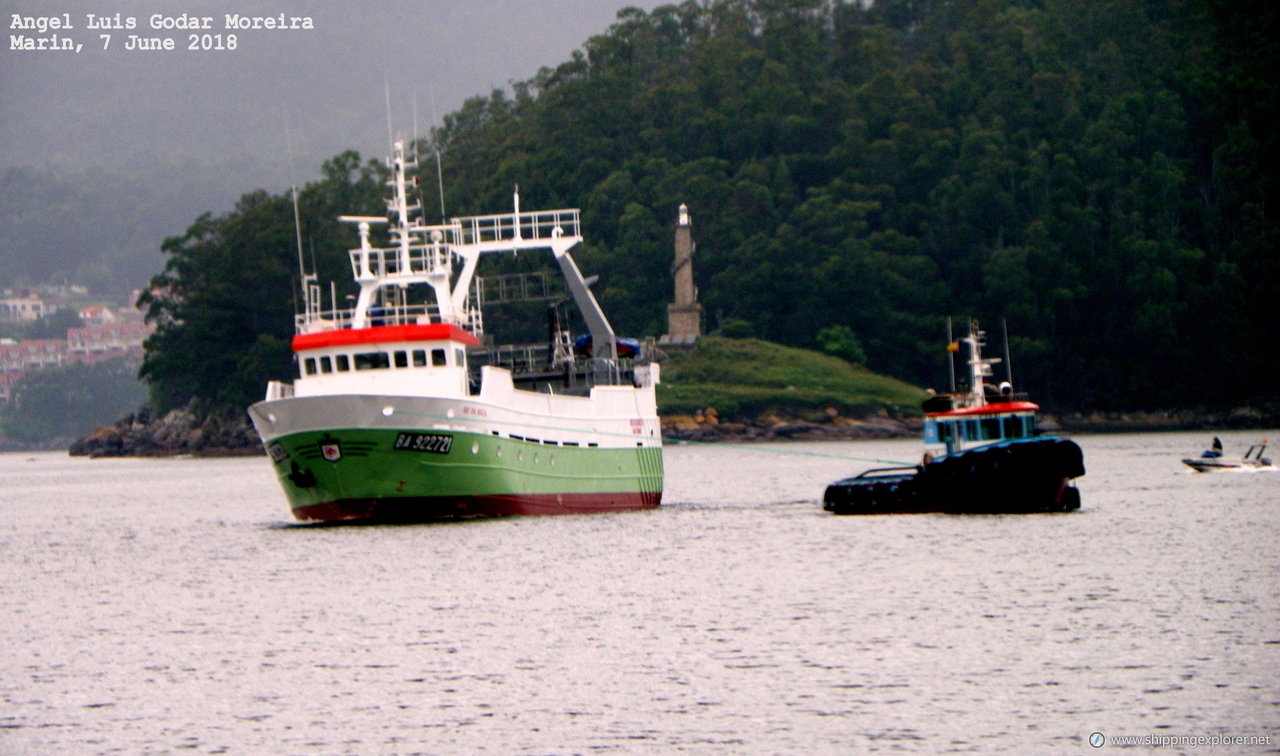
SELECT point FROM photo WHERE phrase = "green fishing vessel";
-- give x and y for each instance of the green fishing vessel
(403, 408)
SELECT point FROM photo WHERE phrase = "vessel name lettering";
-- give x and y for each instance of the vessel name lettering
(477, 411)
(431, 443)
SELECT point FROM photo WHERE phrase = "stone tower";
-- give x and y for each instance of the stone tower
(684, 315)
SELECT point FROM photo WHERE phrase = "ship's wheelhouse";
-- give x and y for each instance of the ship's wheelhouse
(409, 359)
(963, 428)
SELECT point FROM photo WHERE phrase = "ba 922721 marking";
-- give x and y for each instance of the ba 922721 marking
(431, 443)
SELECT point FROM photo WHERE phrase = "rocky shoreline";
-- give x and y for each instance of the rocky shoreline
(1241, 418)
(180, 432)
(706, 427)
(222, 434)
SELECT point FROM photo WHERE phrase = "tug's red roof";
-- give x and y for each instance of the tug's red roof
(995, 408)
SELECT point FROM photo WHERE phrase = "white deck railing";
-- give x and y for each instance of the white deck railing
(506, 227)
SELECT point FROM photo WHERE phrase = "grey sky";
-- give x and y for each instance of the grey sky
(115, 107)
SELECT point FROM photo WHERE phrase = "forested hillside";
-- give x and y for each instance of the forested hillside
(1097, 174)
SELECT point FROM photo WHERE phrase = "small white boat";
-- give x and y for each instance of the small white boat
(1213, 461)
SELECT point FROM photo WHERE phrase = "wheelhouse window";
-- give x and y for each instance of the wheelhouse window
(372, 361)
(1015, 427)
(400, 358)
(939, 431)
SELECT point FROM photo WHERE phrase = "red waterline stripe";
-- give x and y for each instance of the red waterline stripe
(426, 508)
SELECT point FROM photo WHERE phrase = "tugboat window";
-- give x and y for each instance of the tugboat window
(343, 363)
(402, 359)
(419, 358)
(326, 364)
(311, 365)
(437, 357)
(991, 429)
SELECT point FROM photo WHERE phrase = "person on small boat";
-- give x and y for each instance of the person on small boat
(1213, 451)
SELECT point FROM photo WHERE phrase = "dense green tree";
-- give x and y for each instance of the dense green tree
(842, 342)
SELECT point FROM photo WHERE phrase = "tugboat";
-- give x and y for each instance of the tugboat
(404, 409)
(1211, 460)
(983, 455)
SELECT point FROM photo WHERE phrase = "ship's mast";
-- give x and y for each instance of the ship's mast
(979, 367)
(420, 254)
(951, 362)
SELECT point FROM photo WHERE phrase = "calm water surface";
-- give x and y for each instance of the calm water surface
(152, 606)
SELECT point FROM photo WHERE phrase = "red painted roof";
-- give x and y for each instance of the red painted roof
(382, 335)
(995, 408)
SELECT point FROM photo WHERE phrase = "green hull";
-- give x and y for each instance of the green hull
(415, 474)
